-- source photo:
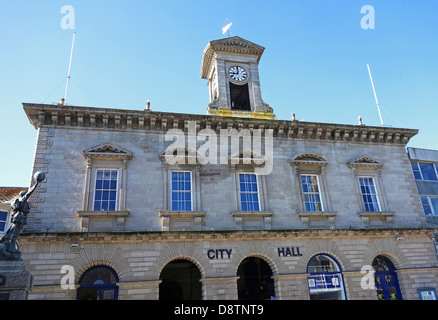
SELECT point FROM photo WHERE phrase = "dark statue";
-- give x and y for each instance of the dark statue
(20, 210)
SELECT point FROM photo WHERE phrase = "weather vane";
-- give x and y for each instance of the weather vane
(227, 28)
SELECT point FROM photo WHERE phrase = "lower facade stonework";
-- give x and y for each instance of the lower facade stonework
(229, 265)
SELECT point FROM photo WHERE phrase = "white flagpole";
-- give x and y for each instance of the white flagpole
(375, 96)
(69, 68)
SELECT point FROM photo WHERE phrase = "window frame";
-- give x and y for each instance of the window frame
(429, 204)
(377, 195)
(179, 191)
(95, 189)
(240, 191)
(338, 273)
(420, 171)
(319, 193)
(6, 221)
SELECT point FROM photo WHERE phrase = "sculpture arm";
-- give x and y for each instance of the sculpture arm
(31, 190)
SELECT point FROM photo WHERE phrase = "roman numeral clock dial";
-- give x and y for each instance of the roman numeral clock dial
(237, 73)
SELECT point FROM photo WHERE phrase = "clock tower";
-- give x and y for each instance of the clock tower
(231, 67)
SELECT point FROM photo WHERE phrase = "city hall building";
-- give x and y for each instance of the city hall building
(159, 205)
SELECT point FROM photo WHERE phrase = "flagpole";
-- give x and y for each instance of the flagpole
(69, 68)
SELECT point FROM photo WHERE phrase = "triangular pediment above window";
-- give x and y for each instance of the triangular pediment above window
(308, 158)
(107, 150)
(365, 161)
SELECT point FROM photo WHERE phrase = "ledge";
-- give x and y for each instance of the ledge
(384, 215)
(306, 215)
(376, 213)
(252, 213)
(317, 213)
(167, 215)
(182, 214)
(118, 215)
(103, 214)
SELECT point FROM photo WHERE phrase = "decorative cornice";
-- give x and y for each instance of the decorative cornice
(225, 234)
(60, 116)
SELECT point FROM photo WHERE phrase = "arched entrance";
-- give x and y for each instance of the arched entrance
(98, 283)
(325, 280)
(180, 280)
(386, 279)
(255, 280)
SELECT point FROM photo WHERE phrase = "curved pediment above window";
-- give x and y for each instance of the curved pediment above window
(107, 151)
(308, 162)
(308, 158)
(365, 162)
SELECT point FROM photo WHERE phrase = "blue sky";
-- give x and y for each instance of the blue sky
(128, 52)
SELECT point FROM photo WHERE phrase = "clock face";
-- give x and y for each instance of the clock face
(237, 73)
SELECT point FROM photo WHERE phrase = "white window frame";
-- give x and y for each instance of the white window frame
(319, 193)
(6, 221)
(180, 191)
(379, 207)
(116, 189)
(240, 190)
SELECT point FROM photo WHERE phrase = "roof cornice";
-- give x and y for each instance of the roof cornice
(92, 118)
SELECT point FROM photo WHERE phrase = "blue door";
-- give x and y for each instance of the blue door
(386, 279)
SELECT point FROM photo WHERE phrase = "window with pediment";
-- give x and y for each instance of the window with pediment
(309, 169)
(373, 205)
(105, 186)
(181, 208)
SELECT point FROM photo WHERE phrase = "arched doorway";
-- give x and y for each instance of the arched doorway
(386, 279)
(255, 280)
(180, 280)
(325, 280)
(98, 283)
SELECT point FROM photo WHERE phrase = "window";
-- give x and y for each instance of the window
(3, 221)
(105, 188)
(430, 205)
(98, 283)
(369, 194)
(311, 194)
(425, 171)
(249, 194)
(181, 191)
(105, 191)
(325, 281)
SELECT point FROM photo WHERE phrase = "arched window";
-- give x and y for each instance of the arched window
(325, 280)
(386, 279)
(98, 283)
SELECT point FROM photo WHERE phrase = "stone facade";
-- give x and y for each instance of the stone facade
(143, 233)
(139, 257)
